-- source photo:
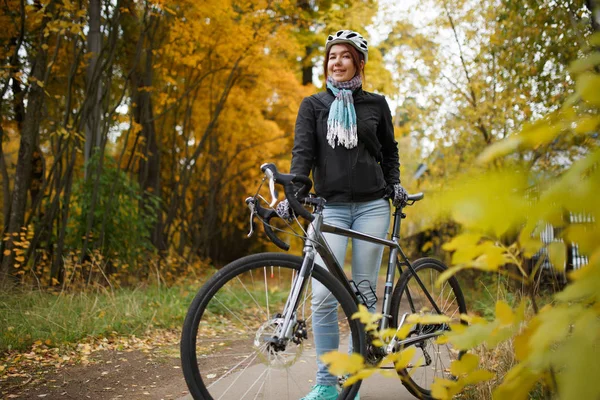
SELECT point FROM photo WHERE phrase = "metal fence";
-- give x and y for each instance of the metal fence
(549, 234)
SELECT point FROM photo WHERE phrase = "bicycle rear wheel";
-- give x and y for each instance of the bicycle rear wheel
(431, 360)
(225, 347)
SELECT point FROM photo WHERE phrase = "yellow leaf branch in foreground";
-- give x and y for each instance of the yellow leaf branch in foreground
(343, 363)
(465, 372)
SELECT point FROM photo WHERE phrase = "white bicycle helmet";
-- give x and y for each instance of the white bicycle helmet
(353, 38)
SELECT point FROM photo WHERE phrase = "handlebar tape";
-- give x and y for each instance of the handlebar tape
(266, 216)
(271, 235)
(288, 181)
(295, 204)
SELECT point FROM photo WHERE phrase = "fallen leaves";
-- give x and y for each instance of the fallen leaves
(20, 365)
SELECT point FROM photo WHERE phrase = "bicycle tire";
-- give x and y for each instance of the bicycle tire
(205, 344)
(451, 301)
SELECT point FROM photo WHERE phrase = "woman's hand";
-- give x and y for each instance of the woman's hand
(397, 193)
(284, 210)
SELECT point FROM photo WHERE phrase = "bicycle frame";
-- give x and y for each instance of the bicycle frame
(316, 242)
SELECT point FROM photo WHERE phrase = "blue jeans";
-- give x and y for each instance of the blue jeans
(372, 217)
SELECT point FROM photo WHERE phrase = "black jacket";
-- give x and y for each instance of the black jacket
(347, 175)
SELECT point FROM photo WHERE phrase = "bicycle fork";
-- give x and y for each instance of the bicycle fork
(286, 331)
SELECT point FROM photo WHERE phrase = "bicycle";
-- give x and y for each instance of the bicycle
(247, 333)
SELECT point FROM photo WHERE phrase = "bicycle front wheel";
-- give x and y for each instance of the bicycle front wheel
(431, 360)
(228, 347)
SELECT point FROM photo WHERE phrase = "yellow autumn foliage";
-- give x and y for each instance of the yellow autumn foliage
(500, 205)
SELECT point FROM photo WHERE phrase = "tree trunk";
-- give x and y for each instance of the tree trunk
(178, 197)
(14, 65)
(57, 270)
(29, 138)
(92, 112)
(307, 66)
(149, 167)
(5, 183)
(94, 84)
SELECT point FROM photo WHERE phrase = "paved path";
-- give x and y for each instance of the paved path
(375, 388)
(301, 378)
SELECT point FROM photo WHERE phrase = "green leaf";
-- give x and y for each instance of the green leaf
(466, 364)
(585, 235)
(445, 389)
(472, 336)
(531, 246)
(477, 376)
(461, 241)
(447, 274)
(588, 87)
(500, 334)
(479, 202)
(522, 340)
(541, 132)
(465, 254)
(554, 327)
(366, 317)
(557, 252)
(584, 64)
(587, 124)
(595, 39)
(579, 359)
(504, 313)
(528, 243)
(500, 149)
(343, 363)
(400, 360)
(428, 319)
(585, 285)
(517, 384)
(360, 375)
(492, 257)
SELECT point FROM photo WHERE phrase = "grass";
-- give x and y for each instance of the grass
(238, 299)
(29, 316)
(67, 317)
(482, 291)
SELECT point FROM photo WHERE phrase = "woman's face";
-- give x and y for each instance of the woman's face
(340, 65)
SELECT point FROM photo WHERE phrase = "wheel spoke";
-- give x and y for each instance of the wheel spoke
(258, 379)
(267, 293)
(231, 370)
(232, 313)
(449, 301)
(235, 348)
(251, 297)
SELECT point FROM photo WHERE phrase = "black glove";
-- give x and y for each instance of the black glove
(284, 210)
(397, 193)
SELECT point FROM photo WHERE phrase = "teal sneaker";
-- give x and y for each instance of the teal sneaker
(322, 392)
(341, 381)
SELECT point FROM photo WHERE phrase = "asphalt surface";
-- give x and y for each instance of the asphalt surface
(376, 387)
(300, 377)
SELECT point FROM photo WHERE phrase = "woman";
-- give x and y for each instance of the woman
(345, 137)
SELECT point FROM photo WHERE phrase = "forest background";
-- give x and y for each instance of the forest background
(131, 130)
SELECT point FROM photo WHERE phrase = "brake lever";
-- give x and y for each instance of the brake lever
(269, 174)
(252, 207)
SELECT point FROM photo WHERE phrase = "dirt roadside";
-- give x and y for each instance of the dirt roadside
(152, 373)
(146, 368)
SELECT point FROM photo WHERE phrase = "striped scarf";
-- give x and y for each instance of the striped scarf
(341, 124)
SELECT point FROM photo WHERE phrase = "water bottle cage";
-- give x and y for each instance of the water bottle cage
(361, 297)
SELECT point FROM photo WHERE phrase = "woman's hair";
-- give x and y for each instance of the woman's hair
(356, 59)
